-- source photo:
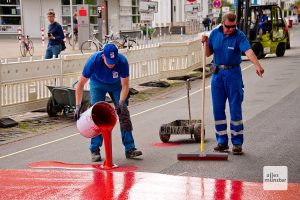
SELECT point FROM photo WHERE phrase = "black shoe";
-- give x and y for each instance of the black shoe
(96, 157)
(237, 150)
(221, 148)
(133, 153)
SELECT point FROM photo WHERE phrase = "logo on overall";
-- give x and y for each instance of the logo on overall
(232, 48)
(112, 55)
(115, 74)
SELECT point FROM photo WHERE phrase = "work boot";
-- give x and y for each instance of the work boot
(237, 150)
(221, 148)
(133, 153)
(96, 157)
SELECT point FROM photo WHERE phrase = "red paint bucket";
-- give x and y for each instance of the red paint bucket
(100, 117)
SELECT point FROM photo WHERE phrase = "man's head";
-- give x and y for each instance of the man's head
(110, 55)
(51, 16)
(229, 23)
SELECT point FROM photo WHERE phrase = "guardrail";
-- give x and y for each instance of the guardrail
(23, 84)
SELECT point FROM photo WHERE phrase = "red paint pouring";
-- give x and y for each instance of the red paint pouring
(61, 165)
(105, 118)
(99, 119)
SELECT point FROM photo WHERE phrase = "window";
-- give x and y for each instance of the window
(66, 13)
(10, 15)
(135, 12)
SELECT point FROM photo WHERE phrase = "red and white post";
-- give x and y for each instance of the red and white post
(43, 36)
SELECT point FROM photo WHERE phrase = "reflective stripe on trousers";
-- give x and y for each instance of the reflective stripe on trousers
(228, 84)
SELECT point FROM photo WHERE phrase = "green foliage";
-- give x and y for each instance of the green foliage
(225, 4)
(150, 30)
(297, 3)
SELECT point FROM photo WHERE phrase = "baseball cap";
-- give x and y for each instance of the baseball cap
(110, 52)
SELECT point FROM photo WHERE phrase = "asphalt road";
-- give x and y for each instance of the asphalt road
(271, 115)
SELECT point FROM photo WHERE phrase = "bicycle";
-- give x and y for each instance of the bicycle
(26, 45)
(126, 42)
(91, 45)
(69, 38)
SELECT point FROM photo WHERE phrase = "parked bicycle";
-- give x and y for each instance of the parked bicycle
(26, 46)
(69, 38)
(93, 45)
(127, 42)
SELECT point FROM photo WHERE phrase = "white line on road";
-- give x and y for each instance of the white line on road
(39, 145)
(181, 174)
(150, 109)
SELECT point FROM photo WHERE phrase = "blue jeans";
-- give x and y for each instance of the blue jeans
(53, 50)
(228, 84)
(98, 93)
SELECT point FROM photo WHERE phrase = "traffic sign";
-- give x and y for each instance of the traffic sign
(192, 7)
(217, 3)
(148, 6)
(191, 1)
(147, 16)
(216, 11)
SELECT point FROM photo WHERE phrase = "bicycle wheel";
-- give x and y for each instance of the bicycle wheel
(132, 43)
(70, 36)
(30, 47)
(118, 44)
(88, 47)
(23, 49)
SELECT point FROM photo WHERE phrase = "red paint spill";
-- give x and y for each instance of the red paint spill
(107, 185)
(161, 144)
(61, 165)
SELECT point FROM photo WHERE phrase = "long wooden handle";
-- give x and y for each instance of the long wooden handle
(203, 97)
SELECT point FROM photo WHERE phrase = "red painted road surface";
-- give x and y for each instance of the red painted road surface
(122, 185)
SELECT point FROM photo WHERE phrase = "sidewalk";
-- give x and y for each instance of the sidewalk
(12, 46)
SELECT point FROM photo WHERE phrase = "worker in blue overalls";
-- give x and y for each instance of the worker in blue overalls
(108, 71)
(227, 44)
(262, 23)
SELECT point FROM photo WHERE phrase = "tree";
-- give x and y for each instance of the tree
(225, 4)
(297, 3)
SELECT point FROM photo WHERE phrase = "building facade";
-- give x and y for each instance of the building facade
(118, 15)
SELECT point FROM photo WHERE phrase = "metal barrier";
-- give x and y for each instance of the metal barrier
(23, 84)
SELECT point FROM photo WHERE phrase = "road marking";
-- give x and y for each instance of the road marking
(34, 147)
(181, 174)
(150, 109)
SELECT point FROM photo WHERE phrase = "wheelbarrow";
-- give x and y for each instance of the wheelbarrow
(181, 127)
(63, 100)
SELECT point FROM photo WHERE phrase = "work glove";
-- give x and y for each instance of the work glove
(121, 106)
(77, 112)
(124, 116)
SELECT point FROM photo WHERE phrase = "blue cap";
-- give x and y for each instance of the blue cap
(110, 52)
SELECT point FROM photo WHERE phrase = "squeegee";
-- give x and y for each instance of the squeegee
(202, 155)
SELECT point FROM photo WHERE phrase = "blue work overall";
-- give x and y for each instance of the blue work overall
(227, 83)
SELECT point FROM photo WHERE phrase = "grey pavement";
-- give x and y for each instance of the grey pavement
(271, 114)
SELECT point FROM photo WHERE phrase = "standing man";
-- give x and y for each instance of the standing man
(227, 44)
(55, 36)
(206, 23)
(108, 72)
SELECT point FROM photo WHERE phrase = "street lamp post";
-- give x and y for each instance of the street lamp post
(72, 25)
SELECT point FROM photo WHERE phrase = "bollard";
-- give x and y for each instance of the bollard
(43, 36)
(99, 119)
(19, 34)
(65, 34)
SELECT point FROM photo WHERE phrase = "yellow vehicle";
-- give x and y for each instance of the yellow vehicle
(264, 26)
